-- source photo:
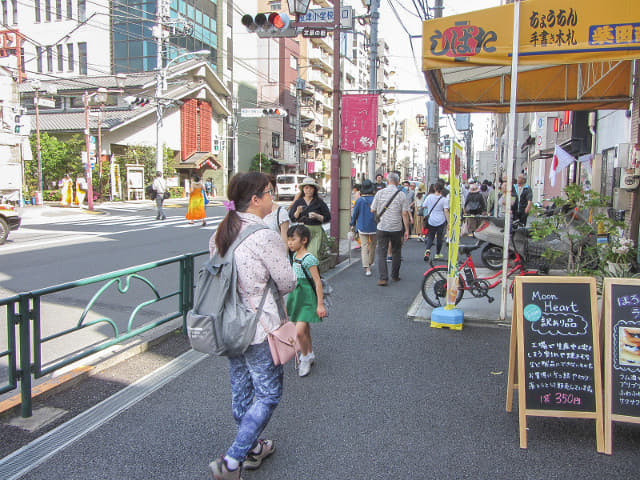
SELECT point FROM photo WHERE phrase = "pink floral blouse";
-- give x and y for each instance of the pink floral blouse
(261, 255)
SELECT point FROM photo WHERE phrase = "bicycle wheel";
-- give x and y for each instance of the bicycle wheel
(434, 287)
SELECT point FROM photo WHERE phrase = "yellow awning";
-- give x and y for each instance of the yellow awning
(572, 57)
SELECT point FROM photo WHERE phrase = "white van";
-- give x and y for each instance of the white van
(288, 185)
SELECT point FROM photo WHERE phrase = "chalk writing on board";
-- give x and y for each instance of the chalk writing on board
(559, 353)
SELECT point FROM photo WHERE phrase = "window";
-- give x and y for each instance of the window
(229, 54)
(69, 9)
(275, 144)
(70, 57)
(230, 14)
(5, 14)
(275, 6)
(58, 10)
(50, 58)
(293, 62)
(292, 89)
(47, 10)
(82, 10)
(82, 58)
(60, 49)
(39, 59)
(14, 4)
(37, 11)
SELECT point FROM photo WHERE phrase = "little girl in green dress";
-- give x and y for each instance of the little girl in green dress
(305, 304)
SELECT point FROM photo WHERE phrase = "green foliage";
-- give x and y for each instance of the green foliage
(52, 195)
(261, 163)
(572, 208)
(58, 159)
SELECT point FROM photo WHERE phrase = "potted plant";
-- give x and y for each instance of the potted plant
(618, 256)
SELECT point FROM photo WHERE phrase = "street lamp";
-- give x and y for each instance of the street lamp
(101, 95)
(51, 89)
(161, 86)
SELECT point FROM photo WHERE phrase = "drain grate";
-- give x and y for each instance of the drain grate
(30, 456)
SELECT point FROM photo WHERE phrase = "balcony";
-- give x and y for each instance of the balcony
(326, 144)
(324, 100)
(320, 80)
(326, 43)
(318, 57)
(307, 113)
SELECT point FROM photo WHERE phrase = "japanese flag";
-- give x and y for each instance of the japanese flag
(561, 159)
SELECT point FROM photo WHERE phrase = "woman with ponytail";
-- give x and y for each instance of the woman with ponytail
(256, 383)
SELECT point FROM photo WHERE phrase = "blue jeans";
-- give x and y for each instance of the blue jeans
(256, 389)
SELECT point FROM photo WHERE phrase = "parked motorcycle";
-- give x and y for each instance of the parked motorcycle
(491, 231)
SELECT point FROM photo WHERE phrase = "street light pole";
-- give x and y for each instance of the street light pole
(38, 147)
(161, 79)
(87, 146)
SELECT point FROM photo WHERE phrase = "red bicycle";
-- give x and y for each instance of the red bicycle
(434, 283)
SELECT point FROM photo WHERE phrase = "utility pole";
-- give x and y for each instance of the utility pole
(159, 33)
(373, 73)
(433, 139)
(299, 87)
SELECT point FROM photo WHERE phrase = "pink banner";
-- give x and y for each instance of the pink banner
(359, 129)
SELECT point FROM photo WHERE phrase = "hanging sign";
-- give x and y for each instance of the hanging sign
(555, 350)
(359, 123)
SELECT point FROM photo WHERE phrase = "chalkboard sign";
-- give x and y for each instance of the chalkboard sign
(621, 301)
(558, 352)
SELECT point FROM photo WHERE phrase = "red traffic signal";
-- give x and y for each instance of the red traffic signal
(274, 112)
(268, 25)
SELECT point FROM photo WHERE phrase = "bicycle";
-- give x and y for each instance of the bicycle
(434, 283)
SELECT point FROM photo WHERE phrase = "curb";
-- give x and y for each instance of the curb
(71, 375)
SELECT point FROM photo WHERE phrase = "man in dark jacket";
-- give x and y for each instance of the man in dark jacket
(524, 198)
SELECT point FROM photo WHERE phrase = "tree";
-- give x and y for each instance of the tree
(261, 163)
(58, 159)
(571, 222)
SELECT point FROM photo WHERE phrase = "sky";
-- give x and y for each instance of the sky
(409, 68)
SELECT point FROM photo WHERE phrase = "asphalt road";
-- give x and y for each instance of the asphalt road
(387, 399)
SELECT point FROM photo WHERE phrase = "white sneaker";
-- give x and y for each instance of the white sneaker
(304, 368)
(311, 357)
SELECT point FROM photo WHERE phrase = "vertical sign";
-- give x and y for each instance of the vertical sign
(359, 126)
(621, 302)
(455, 211)
(557, 351)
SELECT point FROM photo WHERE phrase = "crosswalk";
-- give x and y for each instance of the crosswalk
(139, 220)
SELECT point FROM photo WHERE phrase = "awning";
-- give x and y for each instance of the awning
(200, 160)
(572, 57)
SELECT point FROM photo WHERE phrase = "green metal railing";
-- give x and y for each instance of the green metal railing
(24, 321)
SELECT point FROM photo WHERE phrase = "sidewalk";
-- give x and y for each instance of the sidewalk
(389, 398)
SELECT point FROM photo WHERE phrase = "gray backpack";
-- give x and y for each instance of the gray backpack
(219, 322)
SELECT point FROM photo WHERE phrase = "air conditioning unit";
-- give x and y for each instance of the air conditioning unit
(629, 178)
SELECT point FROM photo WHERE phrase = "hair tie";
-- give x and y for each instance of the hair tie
(230, 205)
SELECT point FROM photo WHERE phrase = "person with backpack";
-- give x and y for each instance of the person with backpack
(436, 212)
(305, 305)
(363, 220)
(474, 205)
(256, 382)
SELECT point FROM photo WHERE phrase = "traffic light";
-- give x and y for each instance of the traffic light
(137, 101)
(270, 25)
(274, 112)
(17, 122)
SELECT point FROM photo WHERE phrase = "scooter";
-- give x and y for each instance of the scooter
(492, 232)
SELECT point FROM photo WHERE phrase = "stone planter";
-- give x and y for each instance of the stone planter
(328, 263)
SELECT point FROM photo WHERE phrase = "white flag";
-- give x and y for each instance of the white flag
(561, 159)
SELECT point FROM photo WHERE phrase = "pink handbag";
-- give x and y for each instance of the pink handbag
(283, 343)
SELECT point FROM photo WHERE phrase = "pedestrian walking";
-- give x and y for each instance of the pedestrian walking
(305, 305)
(418, 215)
(523, 200)
(474, 205)
(392, 206)
(310, 210)
(160, 187)
(66, 191)
(363, 221)
(380, 184)
(256, 383)
(196, 210)
(436, 212)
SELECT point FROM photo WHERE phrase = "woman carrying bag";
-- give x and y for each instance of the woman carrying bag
(256, 382)
(310, 210)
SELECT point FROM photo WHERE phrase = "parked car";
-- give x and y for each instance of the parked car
(288, 185)
(9, 220)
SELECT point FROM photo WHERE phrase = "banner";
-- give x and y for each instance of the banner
(359, 123)
(455, 218)
(551, 32)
